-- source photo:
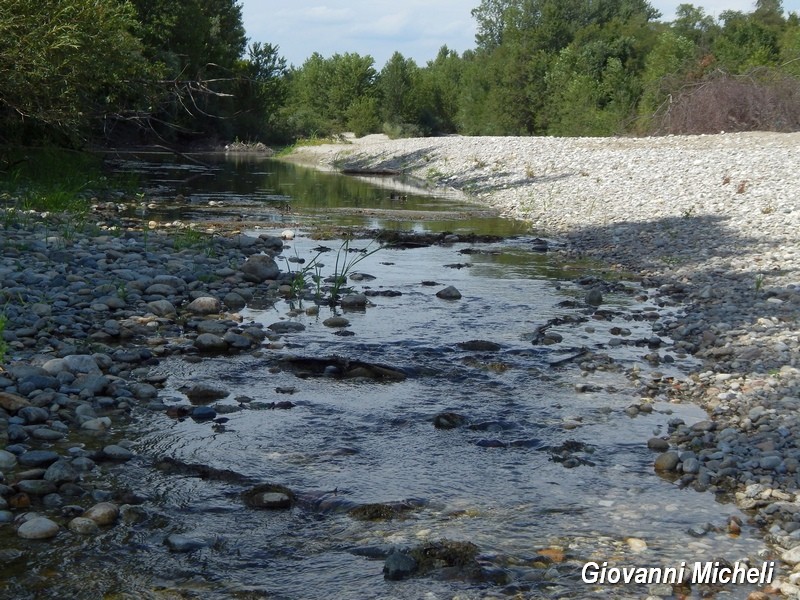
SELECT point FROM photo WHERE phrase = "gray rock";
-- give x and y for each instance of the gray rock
(271, 242)
(93, 385)
(102, 513)
(208, 342)
(287, 327)
(115, 452)
(204, 392)
(83, 526)
(162, 308)
(82, 363)
(38, 528)
(353, 301)
(237, 341)
(657, 444)
(38, 458)
(336, 322)
(399, 565)
(259, 268)
(7, 460)
(449, 420)
(160, 289)
(33, 415)
(61, 471)
(791, 556)
(181, 543)
(594, 297)
(668, 461)
(98, 424)
(205, 305)
(36, 487)
(449, 293)
(691, 465)
(47, 434)
(234, 301)
(203, 413)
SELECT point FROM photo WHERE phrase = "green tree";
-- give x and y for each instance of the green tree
(745, 42)
(328, 94)
(666, 69)
(66, 65)
(198, 44)
(260, 93)
(694, 24)
(397, 87)
(439, 91)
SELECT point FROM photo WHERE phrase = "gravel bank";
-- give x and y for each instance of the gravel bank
(711, 221)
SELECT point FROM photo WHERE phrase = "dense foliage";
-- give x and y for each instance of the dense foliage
(182, 71)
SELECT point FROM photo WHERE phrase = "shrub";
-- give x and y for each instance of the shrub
(762, 100)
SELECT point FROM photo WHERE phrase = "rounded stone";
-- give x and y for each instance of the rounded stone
(162, 308)
(115, 452)
(7, 460)
(398, 566)
(354, 301)
(336, 322)
(38, 528)
(61, 471)
(36, 487)
(83, 526)
(102, 513)
(658, 444)
(286, 327)
(203, 413)
(449, 293)
(668, 461)
(183, 543)
(205, 305)
(594, 297)
(38, 458)
(208, 342)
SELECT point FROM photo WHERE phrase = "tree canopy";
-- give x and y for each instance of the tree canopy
(73, 71)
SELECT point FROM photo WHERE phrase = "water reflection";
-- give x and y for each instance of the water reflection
(256, 188)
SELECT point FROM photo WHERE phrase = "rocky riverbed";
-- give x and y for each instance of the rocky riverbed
(710, 221)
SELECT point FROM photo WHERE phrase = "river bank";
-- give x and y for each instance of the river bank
(711, 222)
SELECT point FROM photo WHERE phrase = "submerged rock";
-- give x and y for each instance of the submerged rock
(449, 420)
(399, 565)
(449, 293)
(269, 496)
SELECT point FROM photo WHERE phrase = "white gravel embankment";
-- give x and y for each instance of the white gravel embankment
(710, 221)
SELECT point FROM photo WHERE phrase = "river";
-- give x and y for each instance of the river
(547, 470)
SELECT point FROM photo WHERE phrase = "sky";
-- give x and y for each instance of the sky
(415, 28)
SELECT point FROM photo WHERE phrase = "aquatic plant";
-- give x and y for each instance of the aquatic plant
(346, 260)
(344, 267)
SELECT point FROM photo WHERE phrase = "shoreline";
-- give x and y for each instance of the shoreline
(709, 221)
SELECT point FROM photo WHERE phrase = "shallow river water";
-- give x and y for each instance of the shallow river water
(546, 473)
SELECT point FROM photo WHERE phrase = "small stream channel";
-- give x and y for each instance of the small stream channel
(546, 472)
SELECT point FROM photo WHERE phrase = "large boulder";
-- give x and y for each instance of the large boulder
(259, 268)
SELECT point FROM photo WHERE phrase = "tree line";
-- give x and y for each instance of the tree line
(75, 71)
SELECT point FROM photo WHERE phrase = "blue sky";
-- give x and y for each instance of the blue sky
(416, 28)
